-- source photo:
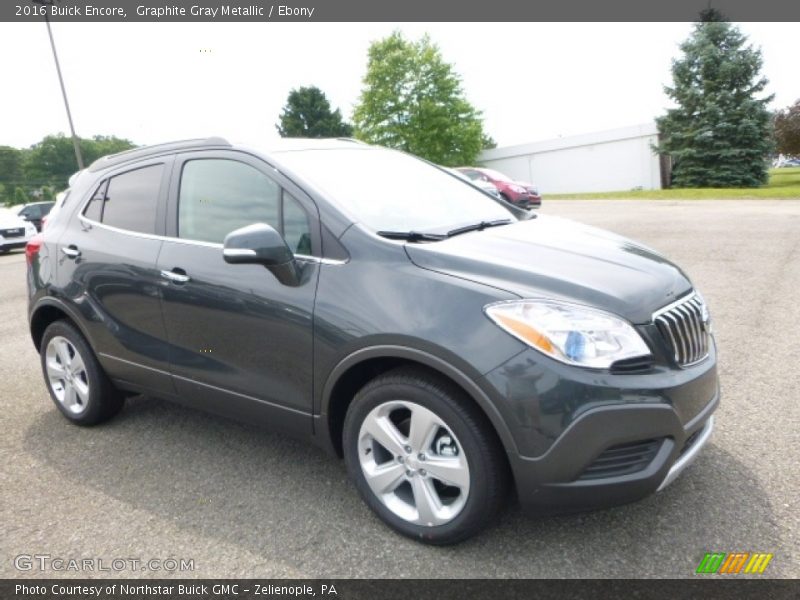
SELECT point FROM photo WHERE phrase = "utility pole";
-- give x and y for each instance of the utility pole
(75, 143)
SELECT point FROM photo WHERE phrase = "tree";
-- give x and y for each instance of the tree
(52, 161)
(787, 130)
(308, 114)
(719, 135)
(10, 167)
(412, 100)
(20, 196)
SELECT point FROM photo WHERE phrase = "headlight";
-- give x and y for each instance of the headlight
(518, 189)
(570, 333)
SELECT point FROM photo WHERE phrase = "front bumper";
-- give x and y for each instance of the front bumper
(554, 483)
(689, 454)
(588, 439)
(9, 243)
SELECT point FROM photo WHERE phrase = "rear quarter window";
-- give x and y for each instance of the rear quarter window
(128, 201)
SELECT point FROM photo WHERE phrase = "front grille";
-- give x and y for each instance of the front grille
(7, 233)
(623, 459)
(684, 326)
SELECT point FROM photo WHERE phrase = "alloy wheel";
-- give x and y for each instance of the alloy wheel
(413, 463)
(66, 374)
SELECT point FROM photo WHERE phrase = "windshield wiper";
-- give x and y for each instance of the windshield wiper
(413, 236)
(477, 226)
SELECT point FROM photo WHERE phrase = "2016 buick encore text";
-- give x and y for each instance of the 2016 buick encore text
(455, 350)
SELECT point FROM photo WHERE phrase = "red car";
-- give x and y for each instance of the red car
(517, 193)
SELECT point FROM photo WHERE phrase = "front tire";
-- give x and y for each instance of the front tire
(77, 383)
(423, 457)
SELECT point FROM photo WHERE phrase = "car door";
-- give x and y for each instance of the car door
(107, 272)
(240, 340)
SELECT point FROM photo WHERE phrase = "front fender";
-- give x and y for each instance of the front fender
(458, 375)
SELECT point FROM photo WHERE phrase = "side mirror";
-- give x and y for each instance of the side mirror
(261, 244)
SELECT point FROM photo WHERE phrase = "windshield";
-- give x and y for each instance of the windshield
(391, 191)
(497, 175)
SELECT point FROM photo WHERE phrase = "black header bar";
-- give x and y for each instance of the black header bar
(393, 10)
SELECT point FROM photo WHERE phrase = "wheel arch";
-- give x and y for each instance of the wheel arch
(354, 371)
(47, 311)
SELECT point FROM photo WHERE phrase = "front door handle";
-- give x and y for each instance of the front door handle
(176, 276)
(71, 251)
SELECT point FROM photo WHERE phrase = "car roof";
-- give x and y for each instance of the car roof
(280, 145)
(297, 144)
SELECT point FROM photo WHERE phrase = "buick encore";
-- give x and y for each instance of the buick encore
(453, 349)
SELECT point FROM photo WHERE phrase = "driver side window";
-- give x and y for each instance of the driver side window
(218, 196)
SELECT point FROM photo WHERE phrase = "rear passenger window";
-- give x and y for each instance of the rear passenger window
(94, 210)
(132, 199)
(128, 201)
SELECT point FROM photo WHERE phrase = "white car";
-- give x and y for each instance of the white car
(14, 231)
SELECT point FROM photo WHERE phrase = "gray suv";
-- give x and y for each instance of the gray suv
(450, 347)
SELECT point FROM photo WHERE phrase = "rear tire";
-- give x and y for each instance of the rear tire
(423, 457)
(77, 383)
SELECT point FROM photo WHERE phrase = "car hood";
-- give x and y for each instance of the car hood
(11, 221)
(557, 258)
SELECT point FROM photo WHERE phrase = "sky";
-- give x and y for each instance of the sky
(156, 82)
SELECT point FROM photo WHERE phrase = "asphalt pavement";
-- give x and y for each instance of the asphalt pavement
(165, 482)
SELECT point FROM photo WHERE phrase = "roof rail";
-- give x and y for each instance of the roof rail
(120, 157)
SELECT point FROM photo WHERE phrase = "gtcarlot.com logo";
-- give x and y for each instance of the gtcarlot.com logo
(734, 563)
(46, 562)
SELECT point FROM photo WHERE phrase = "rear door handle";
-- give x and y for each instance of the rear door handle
(175, 276)
(71, 251)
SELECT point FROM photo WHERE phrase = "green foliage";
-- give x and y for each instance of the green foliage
(412, 100)
(783, 184)
(10, 168)
(52, 161)
(720, 133)
(787, 130)
(21, 196)
(308, 114)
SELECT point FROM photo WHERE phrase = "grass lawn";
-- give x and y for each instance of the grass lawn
(783, 183)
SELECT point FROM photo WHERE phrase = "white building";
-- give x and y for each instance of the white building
(607, 161)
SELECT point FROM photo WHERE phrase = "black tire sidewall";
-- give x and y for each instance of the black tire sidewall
(469, 431)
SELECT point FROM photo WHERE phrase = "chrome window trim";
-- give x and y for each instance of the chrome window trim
(164, 238)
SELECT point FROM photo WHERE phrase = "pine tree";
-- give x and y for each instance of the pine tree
(720, 133)
(308, 114)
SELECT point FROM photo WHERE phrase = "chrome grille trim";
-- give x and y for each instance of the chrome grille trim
(682, 326)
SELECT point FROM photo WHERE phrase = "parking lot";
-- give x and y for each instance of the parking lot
(161, 481)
